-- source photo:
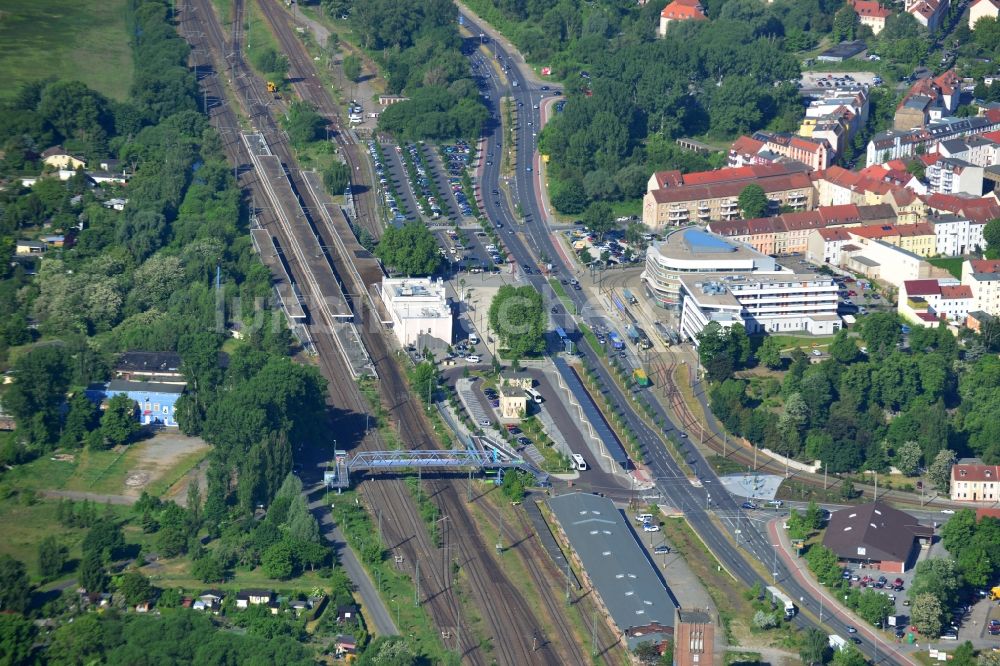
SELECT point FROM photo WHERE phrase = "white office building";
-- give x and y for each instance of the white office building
(420, 311)
(694, 251)
(762, 303)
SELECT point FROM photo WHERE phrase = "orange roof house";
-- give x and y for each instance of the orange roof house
(680, 10)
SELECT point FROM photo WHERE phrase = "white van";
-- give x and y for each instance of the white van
(473, 339)
(643, 517)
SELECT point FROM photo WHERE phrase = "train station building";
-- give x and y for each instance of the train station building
(420, 311)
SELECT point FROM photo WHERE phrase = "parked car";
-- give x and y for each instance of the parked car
(650, 527)
(661, 550)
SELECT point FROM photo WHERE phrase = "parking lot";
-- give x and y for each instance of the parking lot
(834, 80)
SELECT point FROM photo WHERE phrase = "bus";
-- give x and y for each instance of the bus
(616, 340)
(578, 462)
(564, 340)
(534, 395)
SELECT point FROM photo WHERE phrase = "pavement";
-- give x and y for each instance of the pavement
(375, 610)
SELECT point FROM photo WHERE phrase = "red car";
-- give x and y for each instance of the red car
(852, 293)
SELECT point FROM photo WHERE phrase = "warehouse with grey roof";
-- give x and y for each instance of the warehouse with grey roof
(635, 597)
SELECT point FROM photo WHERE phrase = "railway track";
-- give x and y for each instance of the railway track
(404, 534)
(549, 581)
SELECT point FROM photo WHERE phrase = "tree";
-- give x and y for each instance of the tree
(813, 516)
(842, 349)
(41, 378)
(939, 471)
(208, 569)
(118, 424)
(51, 557)
(15, 590)
(844, 23)
(813, 647)
(278, 561)
(753, 201)
(849, 655)
(875, 607)
(908, 456)
(135, 587)
(647, 653)
(881, 333)
(769, 353)
(517, 318)
(937, 576)
(172, 538)
(991, 235)
(304, 125)
(764, 620)
(92, 575)
(599, 218)
(81, 419)
(336, 178)
(17, 636)
(389, 651)
(926, 613)
(409, 250)
(352, 68)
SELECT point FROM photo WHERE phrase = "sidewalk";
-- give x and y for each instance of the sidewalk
(830, 605)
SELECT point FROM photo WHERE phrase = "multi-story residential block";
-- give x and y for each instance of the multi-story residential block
(971, 482)
(761, 303)
(920, 238)
(680, 10)
(982, 276)
(981, 9)
(871, 14)
(956, 235)
(928, 99)
(789, 233)
(673, 199)
(895, 144)
(694, 251)
(928, 302)
(981, 150)
(823, 245)
(813, 152)
(951, 175)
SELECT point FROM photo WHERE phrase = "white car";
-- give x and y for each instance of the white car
(472, 359)
(948, 511)
(650, 527)
(816, 352)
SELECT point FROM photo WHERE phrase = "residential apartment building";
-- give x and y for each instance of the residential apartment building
(420, 311)
(955, 235)
(981, 9)
(788, 233)
(972, 482)
(680, 10)
(928, 99)
(982, 150)
(951, 175)
(928, 13)
(920, 238)
(815, 153)
(871, 14)
(761, 303)
(982, 276)
(823, 246)
(895, 144)
(927, 302)
(694, 251)
(673, 199)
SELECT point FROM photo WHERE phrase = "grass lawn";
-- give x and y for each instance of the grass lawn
(789, 342)
(86, 41)
(26, 525)
(951, 264)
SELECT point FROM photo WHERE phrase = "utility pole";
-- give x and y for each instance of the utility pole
(416, 590)
(593, 633)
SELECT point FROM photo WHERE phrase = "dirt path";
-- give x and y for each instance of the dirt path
(80, 496)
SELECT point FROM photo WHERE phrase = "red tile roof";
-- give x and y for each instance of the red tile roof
(972, 472)
(842, 214)
(987, 513)
(871, 8)
(835, 234)
(683, 10)
(985, 265)
(953, 291)
(922, 287)
(746, 145)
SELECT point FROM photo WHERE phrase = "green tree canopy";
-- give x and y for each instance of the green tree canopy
(118, 423)
(410, 250)
(15, 589)
(517, 318)
(753, 201)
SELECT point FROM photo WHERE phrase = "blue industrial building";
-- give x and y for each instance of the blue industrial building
(156, 402)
